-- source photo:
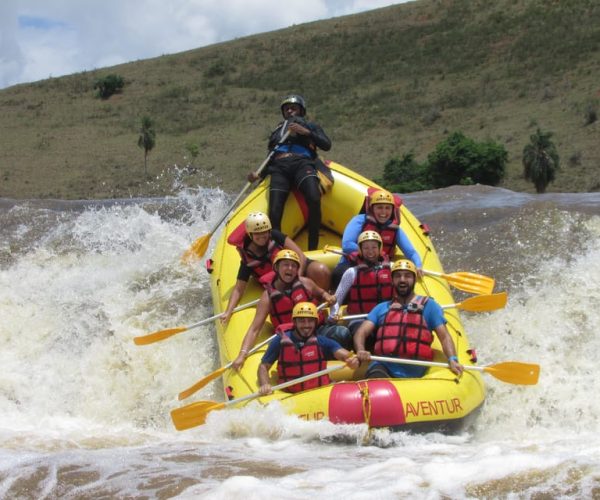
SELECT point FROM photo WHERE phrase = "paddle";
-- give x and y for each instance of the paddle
(479, 303)
(198, 248)
(465, 281)
(169, 332)
(195, 414)
(512, 372)
(217, 373)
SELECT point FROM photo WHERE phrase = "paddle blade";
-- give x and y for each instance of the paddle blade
(197, 249)
(481, 303)
(194, 414)
(471, 282)
(201, 383)
(158, 336)
(514, 372)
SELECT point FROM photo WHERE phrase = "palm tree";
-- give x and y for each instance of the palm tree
(146, 139)
(540, 160)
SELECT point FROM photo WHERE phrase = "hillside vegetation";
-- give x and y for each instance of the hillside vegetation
(381, 83)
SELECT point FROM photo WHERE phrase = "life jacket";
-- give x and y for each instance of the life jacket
(294, 363)
(259, 264)
(387, 231)
(282, 303)
(372, 285)
(404, 333)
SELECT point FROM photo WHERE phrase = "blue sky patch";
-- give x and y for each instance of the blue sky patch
(41, 23)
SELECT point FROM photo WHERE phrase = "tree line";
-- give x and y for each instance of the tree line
(461, 160)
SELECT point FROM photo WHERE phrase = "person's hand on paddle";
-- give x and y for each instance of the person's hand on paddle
(363, 356)
(226, 317)
(330, 299)
(420, 273)
(353, 362)
(296, 128)
(239, 361)
(253, 176)
(455, 366)
(265, 389)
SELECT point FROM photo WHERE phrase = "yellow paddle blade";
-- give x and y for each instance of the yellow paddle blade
(201, 383)
(481, 303)
(193, 414)
(514, 372)
(471, 282)
(197, 249)
(158, 336)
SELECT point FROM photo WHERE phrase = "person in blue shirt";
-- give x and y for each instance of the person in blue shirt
(299, 352)
(403, 328)
(382, 214)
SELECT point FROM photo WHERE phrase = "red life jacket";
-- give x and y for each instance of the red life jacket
(372, 285)
(386, 231)
(294, 363)
(282, 303)
(260, 264)
(404, 333)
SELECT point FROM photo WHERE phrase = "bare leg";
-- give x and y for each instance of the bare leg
(320, 274)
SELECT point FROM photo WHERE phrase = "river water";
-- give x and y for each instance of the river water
(84, 413)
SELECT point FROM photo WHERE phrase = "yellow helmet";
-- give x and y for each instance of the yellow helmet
(286, 254)
(380, 197)
(404, 264)
(257, 222)
(369, 236)
(305, 310)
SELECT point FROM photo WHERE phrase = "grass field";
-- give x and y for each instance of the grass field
(381, 83)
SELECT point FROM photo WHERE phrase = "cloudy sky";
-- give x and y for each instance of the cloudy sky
(43, 38)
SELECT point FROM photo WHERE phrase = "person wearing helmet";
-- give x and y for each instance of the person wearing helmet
(381, 214)
(404, 328)
(300, 351)
(294, 164)
(366, 284)
(258, 243)
(285, 290)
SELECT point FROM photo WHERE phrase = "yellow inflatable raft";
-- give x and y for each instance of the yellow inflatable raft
(437, 401)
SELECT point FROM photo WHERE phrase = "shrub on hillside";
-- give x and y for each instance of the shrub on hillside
(109, 85)
(404, 175)
(461, 160)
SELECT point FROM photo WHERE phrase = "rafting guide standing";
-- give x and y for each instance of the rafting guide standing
(293, 164)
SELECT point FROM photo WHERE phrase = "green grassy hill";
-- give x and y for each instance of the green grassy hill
(381, 83)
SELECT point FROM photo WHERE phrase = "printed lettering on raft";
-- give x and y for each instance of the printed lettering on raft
(318, 415)
(435, 408)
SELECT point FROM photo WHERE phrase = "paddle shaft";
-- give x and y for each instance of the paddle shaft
(216, 316)
(289, 383)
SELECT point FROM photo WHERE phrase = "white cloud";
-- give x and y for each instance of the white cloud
(39, 38)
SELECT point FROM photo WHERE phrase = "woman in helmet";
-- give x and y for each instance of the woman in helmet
(404, 328)
(258, 243)
(293, 164)
(366, 284)
(381, 214)
(299, 351)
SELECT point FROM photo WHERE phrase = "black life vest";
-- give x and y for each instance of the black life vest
(404, 333)
(282, 303)
(372, 285)
(294, 363)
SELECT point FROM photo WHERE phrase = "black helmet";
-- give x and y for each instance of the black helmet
(294, 99)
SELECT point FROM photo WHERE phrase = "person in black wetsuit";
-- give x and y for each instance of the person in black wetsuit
(293, 164)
